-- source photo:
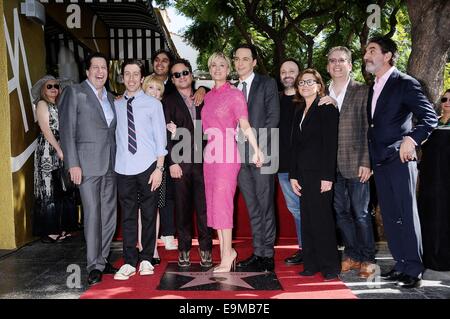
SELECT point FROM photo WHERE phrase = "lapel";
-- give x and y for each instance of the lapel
(385, 93)
(111, 101)
(94, 100)
(349, 94)
(181, 105)
(312, 110)
(253, 89)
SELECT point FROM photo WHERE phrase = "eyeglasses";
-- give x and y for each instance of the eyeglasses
(51, 86)
(444, 99)
(178, 75)
(335, 61)
(309, 82)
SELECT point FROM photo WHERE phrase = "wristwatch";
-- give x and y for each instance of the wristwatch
(161, 168)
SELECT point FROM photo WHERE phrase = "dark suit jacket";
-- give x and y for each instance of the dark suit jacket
(263, 111)
(315, 145)
(353, 151)
(175, 110)
(402, 96)
(86, 139)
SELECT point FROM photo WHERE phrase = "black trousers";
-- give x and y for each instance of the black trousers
(167, 213)
(320, 251)
(396, 189)
(259, 193)
(128, 187)
(189, 194)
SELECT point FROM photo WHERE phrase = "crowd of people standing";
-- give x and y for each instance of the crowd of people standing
(141, 151)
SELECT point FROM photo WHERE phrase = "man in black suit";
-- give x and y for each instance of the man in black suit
(186, 165)
(257, 184)
(393, 99)
(162, 61)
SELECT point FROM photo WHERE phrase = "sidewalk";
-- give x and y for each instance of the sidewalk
(42, 271)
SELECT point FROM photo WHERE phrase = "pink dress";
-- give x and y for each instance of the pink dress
(220, 115)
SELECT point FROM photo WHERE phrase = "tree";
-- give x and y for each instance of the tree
(430, 43)
(307, 29)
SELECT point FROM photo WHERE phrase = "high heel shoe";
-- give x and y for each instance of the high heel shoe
(231, 266)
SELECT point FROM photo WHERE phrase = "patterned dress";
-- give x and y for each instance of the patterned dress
(220, 115)
(46, 163)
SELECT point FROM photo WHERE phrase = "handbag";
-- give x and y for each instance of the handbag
(66, 182)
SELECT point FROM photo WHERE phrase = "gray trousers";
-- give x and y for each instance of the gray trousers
(258, 191)
(99, 198)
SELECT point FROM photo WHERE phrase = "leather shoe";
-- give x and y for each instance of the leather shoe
(392, 275)
(268, 264)
(407, 281)
(110, 269)
(295, 259)
(155, 261)
(307, 273)
(95, 276)
(252, 263)
(329, 277)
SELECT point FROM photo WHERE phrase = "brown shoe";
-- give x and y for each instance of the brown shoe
(367, 269)
(349, 264)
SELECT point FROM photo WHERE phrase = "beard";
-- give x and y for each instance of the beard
(288, 83)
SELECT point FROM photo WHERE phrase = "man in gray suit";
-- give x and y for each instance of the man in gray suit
(87, 126)
(351, 190)
(257, 184)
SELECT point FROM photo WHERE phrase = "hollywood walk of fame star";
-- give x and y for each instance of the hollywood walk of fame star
(228, 278)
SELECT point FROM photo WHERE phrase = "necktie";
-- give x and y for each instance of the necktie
(244, 90)
(132, 145)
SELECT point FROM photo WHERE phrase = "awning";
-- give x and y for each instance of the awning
(134, 30)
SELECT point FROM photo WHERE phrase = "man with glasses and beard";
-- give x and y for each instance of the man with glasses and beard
(186, 166)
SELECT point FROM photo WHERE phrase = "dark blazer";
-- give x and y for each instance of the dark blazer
(86, 139)
(263, 110)
(401, 98)
(353, 151)
(175, 110)
(315, 144)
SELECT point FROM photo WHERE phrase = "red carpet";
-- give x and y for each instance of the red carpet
(294, 286)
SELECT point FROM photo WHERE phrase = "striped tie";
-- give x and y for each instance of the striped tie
(132, 145)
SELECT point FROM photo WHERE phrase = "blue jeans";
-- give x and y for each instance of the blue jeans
(292, 202)
(351, 201)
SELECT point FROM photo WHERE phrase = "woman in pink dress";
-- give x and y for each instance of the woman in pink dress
(224, 109)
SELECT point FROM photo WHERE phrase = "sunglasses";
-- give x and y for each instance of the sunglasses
(51, 86)
(178, 75)
(444, 99)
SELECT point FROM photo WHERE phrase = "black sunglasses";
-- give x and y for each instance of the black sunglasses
(51, 86)
(444, 99)
(178, 75)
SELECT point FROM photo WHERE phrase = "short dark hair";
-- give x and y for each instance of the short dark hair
(251, 47)
(93, 56)
(291, 60)
(166, 52)
(387, 45)
(181, 61)
(139, 63)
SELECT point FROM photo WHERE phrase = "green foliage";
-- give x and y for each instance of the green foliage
(321, 24)
(447, 77)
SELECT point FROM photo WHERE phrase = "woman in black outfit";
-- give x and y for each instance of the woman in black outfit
(312, 173)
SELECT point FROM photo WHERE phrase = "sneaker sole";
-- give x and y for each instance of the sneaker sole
(122, 277)
(146, 273)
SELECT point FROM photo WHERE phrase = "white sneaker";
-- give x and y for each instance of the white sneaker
(125, 272)
(169, 242)
(145, 268)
